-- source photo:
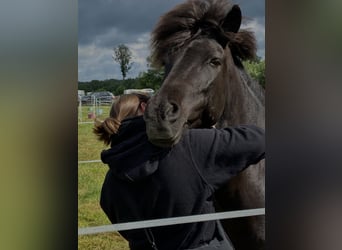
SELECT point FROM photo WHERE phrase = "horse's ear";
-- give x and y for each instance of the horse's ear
(232, 21)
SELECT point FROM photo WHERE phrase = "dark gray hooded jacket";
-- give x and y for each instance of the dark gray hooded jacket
(147, 182)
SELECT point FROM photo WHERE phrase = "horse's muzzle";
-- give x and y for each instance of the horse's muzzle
(163, 123)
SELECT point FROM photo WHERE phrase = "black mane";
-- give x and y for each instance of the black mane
(187, 20)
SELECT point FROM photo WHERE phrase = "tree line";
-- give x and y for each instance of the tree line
(153, 77)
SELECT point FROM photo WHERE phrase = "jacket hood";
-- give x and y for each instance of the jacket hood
(131, 156)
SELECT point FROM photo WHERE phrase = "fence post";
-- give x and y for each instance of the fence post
(80, 110)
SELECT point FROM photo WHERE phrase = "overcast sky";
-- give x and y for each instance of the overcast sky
(104, 24)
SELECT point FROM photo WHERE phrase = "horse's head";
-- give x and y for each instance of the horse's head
(199, 60)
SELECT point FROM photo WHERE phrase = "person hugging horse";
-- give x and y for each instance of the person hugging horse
(145, 181)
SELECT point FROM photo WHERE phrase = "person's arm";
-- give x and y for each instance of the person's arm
(221, 154)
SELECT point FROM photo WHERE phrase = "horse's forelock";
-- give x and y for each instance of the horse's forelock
(176, 27)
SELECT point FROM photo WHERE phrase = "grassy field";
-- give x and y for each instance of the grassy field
(90, 178)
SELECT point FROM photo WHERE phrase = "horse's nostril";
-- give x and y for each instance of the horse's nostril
(168, 111)
(174, 107)
(173, 112)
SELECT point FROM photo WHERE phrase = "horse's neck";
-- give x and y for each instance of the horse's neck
(245, 102)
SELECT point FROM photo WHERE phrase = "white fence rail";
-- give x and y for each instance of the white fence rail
(90, 161)
(170, 221)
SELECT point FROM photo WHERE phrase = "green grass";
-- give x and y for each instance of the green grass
(108, 241)
(90, 179)
(89, 148)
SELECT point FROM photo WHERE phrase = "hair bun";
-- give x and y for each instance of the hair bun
(111, 125)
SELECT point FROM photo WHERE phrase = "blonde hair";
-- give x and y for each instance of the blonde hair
(126, 106)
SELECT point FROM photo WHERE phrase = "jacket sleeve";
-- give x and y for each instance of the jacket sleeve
(220, 154)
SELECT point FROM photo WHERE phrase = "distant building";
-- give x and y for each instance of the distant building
(149, 92)
(81, 92)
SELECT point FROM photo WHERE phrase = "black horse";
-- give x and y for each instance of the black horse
(201, 47)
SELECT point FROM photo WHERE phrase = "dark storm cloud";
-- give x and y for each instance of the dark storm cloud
(129, 18)
(252, 8)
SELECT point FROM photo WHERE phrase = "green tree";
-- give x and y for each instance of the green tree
(153, 77)
(123, 56)
(256, 70)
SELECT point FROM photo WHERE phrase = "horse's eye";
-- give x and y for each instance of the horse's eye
(215, 62)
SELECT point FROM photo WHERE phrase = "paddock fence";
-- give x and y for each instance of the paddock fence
(93, 108)
(170, 221)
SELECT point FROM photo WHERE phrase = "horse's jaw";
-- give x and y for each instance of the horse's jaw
(167, 134)
(162, 139)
